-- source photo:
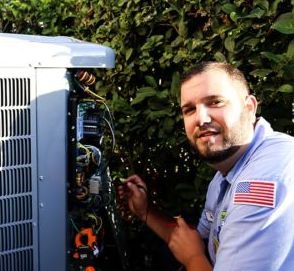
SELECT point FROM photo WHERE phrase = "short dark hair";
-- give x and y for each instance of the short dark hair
(229, 69)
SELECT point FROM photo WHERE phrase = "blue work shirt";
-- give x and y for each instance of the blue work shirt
(248, 216)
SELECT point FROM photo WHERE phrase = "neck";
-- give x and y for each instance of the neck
(225, 166)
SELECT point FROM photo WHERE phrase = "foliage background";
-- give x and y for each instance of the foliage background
(155, 41)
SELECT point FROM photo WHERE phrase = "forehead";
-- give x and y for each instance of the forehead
(213, 82)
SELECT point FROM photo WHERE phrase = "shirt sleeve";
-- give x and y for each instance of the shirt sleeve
(204, 225)
(258, 238)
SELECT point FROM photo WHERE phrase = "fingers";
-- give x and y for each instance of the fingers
(181, 222)
(135, 183)
(135, 179)
(131, 186)
(121, 191)
(136, 189)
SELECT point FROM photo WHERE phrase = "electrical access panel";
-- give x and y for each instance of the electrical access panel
(57, 208)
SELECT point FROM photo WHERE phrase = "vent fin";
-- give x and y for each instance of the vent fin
(17, 261)
(16, 192)
(14, 92)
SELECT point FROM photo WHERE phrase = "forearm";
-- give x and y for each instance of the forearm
(163, 226)
(160, 223)
(198, 263)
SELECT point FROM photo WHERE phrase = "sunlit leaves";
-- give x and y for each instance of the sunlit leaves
(286, 88)
(230, 44)
(261, 72)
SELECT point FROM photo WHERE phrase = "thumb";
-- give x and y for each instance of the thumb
(181, 222)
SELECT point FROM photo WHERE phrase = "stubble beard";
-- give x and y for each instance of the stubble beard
(232, 141)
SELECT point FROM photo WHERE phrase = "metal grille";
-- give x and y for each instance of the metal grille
(16, 212)
(15, 209)
(17, 261)
(14, 122)
(14, 92)
(15, 181)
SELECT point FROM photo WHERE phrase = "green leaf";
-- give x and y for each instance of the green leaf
(152, 42)
(177, 41)
(290, 50)
(286, 88)
(273, 57)
(151, 81)
(182, 28)
(218, 56)
(234, 16)
(261, 72)
(274, 6)
(252, 42)
(255, 13)
(162, 94)
(264, 4)
(228, 8)
(230, 44)
(142, 94)
(122, 2)
(129, 53)
(285, 23)
(120, 105)
(152, 115)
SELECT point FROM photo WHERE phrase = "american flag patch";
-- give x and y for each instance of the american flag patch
(255, 192)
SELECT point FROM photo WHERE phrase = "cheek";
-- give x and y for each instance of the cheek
(228, 119)
(189, 127)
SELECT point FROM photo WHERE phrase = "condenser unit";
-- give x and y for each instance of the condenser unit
(50, 132)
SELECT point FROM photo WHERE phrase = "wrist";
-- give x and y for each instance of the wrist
(198, 262)
(144, 215)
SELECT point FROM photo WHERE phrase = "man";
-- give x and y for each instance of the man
(249, 209)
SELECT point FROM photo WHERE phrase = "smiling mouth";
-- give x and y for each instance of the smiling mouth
(205, 134)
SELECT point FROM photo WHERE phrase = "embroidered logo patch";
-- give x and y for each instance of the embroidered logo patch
(255, 192)
(209, 216)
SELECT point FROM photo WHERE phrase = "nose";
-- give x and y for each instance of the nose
(202, 116)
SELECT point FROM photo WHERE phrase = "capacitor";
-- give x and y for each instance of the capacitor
(85, 77)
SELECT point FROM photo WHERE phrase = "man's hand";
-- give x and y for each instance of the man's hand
(134, 189)
(187, 246)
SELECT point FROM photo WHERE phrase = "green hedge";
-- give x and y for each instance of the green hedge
(155, 41)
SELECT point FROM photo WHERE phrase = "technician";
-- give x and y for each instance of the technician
(248, 217)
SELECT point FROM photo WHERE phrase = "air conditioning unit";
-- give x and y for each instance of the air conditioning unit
(52, 169)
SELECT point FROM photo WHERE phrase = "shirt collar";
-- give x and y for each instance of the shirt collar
(261, 131)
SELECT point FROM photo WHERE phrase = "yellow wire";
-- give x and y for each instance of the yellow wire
(88, 152)
(101, 99)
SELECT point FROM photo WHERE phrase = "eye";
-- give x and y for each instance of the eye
(216, 103)
(186, 111)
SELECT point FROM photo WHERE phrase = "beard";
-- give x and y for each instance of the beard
(214, 157)
(232, 140)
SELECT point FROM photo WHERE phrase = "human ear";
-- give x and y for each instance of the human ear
(251, 105)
